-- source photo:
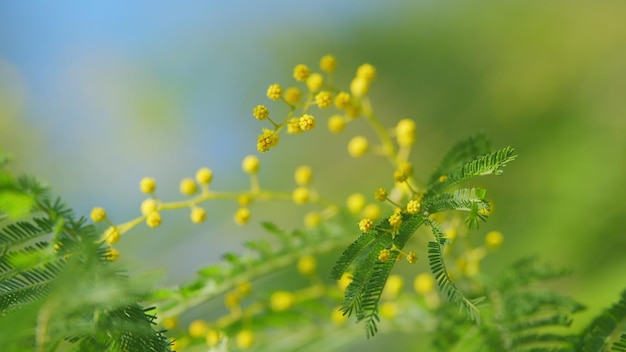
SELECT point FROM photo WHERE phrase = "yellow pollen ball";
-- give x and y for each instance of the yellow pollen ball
(366, 225)
(260, 112)
(111, 235)
(303, 175)
(301, 72)
(170, 323)
(204, 176)
(389, 310)
(231, 300)
(359, 87)
(300, 195)
(147, 185)
(406, 132)
(315, 82)
(324, 99)
(413, 207)
(395, 220)
(338, 317)
(393, 286)
(281, 300)
(424, 283)
(267, 140)
(345, 280)
(307, 265)
(342, 100)
(312, 219)
(148, 206)
(293, 95)
(355, 202)
(244, 288)
(244, 339)
(372, 211)
(366, 71)
(153, 219)
(384, 255)
(411, 257)
(98, 214)
(336, 123)
(293, 126)
(328, 63)
(198, 328)
(307, 122)
(242, 216)
(197, 215)
(213, 338)
(380, 195)
(250, 164)
(357, 146)
(188, 186)
(494, 239)
(274, 91)
(112, 255)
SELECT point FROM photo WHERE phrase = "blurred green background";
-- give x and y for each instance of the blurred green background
(95, 96)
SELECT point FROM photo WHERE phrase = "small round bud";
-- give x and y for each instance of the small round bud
(111, 235)
(389, 310)
(307, 122)
(153, 219)
(411, 258)
(336, 123)
(197, 215)
(274, 91)
(413, 207)
(324, 99)
(359, 87)
(244, 288)
(494, 239)
(244, 200)
(393, 286)
(357, 146)
(250, 164)
(301, 72)
(244, 339)
(303, 175)
(267, 140)
(380, 195)
(148, 206)
(344, 281)
(98, 214)
(342, 101)
(213, 337)
(293, 126)
(366, 225)
(395, 220)
(198, 328)
(384, 255)
(242, 216)
(204, 176)
(301, 195)
(355, 202)
(338, 317)
(188, 186)
(281, 300)
(315, 82)
(424, 283)
(328, 63)
(147, 185)
(366, 71)
(371, 211)
(312, 219)
(261, 112)
(307, 265)
(170, 323)
(293, 95)
(406, 132)
(112, 255)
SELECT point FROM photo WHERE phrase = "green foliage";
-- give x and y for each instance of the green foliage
(56, 286)
(370, 273)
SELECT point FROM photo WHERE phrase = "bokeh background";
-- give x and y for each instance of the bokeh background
(96, 95)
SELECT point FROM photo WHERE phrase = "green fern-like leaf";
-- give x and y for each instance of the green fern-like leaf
(445, 283)
(461, 153)
(488, 164)
(351, 253)
(607, 330)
